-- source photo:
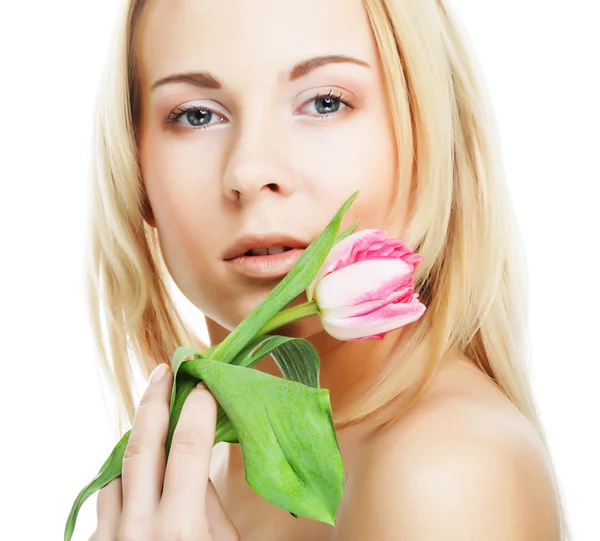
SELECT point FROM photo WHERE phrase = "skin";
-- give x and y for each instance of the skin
(276, 162)
(275, 159)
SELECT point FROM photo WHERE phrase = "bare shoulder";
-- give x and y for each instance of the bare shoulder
(457, 466)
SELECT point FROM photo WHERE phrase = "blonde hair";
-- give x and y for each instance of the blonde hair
(472, 278)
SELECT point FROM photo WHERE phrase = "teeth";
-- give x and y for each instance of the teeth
(264, 251)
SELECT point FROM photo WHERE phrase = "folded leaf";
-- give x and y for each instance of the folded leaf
(297, 359)
(318, 499)
(179, 357)
(287, 437)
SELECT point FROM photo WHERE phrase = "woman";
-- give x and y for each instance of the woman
(222, 121)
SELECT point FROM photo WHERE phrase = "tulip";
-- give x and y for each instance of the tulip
(362, 288)
(365, 287)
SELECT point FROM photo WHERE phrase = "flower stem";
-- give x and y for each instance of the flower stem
(284, 317)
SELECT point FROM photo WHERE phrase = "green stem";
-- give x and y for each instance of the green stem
(291, 314)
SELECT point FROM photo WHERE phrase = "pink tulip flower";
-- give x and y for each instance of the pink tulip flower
(365, 288)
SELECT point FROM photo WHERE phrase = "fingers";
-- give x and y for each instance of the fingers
(221, 527)
(108, 511)
(186, 478)
(179, 494)
(144, 459)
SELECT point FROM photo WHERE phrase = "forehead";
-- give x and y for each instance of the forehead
(236, 37)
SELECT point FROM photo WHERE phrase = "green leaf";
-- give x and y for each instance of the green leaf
(183, 385)
(294, 283)
(287, 350)
(348, 231)
(290, 450)
(297, 359)
(179, 357)
(111, 469)
(113, 466)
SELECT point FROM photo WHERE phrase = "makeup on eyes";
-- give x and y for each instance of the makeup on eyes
(335, 98)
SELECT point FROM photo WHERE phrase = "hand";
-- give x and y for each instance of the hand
(132, 507)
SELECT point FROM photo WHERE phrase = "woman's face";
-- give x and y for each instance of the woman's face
(235, 140)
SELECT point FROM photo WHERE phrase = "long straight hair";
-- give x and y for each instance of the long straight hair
(472, 278)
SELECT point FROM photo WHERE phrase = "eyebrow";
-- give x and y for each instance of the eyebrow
(202, 79)
(304, 67)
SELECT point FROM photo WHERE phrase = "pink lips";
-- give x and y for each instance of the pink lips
(265, 266)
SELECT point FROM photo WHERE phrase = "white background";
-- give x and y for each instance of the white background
(540, 60)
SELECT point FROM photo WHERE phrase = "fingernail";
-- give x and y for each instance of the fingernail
(159, 372)
(201, 385)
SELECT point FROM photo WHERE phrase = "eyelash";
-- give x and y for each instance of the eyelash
(175, 115)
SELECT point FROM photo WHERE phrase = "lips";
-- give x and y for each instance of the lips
(262, 242)
(267, 251)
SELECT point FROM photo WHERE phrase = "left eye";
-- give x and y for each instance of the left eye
(327, 104)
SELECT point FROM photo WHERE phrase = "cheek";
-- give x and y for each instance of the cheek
(326, 163)
(176, 171)
(372, 166)
(179, 173)
(359, 156)
(177, 181)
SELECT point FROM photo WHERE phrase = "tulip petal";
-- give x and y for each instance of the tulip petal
(375, 324)
(362, 242)
(365, 245)
(362, 282)
(343, 254)
(402, 295)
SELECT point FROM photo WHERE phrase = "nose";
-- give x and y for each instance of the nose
(256, 164)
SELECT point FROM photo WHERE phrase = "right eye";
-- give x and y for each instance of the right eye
(194, 117)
